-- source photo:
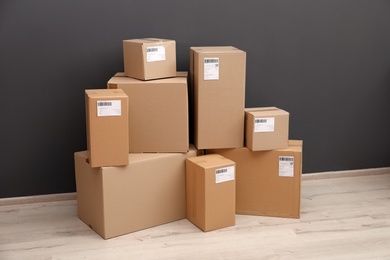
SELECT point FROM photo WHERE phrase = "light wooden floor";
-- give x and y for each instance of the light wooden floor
(342, 218)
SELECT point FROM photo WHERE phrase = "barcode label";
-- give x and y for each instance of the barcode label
(286, 166)
(109, 108)
(155, 53)
(286, 159)
(104, 103)
(220, 171)
(224, 174)
(212, 60)
(264, 125)
(211, 68)
(152, 49)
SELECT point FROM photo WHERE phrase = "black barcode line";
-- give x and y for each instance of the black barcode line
(261, 121)
(211, 60)
(287, 159)
(220, 171)
(101, 104)
(151, 49)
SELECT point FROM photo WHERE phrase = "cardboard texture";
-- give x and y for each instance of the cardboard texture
(266, 128)
(107, 127)
(150, 191)
(217, 79)
(210, 189)
(158, 113)
(268, 183)
(149, 58)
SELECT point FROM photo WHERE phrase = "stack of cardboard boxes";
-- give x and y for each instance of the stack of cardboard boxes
(141, 171)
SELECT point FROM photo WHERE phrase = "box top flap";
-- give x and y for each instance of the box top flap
(105, 93)
(260, 111)
(211, 161)
(216, 49)
(120, 78)
(148, 40)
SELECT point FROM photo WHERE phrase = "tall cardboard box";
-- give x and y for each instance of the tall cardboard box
(210, 188)
(149, 58)
(149, 191)
(266, 128)
(158, 112)
(107, 127)
(217, 76)
(268, 183)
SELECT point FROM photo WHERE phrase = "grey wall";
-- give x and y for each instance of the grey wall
(327, 62)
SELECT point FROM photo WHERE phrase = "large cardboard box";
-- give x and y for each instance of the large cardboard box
(268, 183)
(217, 76)
(107, 127)
(149, 58)
(266, 128)
(158, 112)
(150, 191)
(210, 188)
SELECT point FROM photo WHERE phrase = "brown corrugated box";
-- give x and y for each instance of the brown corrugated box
(217, 76)
(107, 127)
(266, 128)
(149, 58)
(210, 189)
(158, 112)
(150, 191)
(268, 183)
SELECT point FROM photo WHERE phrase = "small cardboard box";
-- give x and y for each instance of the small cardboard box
(149, 191)
(107, 127)
(158, 113)
(268, 183)
(266, 128)
(217, 79)
(210, 189)
(149, 58)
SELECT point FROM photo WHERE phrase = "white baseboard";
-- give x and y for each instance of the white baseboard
(342, 174)
(306, 176)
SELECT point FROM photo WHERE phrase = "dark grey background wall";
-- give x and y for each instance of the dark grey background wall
(327, 62)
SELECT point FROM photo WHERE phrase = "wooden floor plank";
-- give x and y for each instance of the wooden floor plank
(342, 218)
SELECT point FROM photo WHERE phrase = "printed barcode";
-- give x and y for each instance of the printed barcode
(220, 171)
(101, 104)
(151, 49)
(211, 60)
(260, 121)
(286, 159)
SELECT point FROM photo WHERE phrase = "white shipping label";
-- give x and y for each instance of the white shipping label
(264, 125)
(286, 166)
(211, 68)
(109, 108)
(155, 53)
(224, 174)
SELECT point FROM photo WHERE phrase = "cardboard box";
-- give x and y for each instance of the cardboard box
(150, 191)
(217, 75)
(158, 113)
(268, 183)
(149, 58)
(107, 127)
(210, 189)
(266, 128)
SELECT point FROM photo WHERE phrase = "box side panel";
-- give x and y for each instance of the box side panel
(220, 103)
(133, 59)
(108, 135)
(220, 201)
(260, 190)
(161, 69)
(145, 194)
(158, 117)
(89, 194)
